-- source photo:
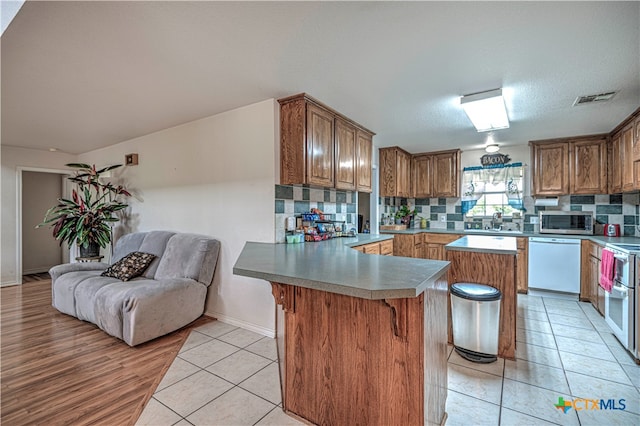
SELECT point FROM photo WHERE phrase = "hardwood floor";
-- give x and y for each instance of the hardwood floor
(56, 369)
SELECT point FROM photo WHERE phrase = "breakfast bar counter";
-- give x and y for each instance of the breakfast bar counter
(362, 338)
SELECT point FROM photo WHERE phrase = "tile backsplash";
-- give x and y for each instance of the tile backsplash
(293, 200)
(622, 209)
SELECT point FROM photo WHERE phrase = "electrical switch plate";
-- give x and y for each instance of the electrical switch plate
(534, 220)
(443, 218)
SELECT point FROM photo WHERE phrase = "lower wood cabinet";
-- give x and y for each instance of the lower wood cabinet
(434, 245)
(590, 290)
(384, 248)
(522, 265)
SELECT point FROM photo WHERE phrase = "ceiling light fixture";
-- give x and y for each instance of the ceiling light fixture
(492, 148)
(486, 110)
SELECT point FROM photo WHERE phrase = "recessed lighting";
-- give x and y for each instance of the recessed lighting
(486, 110)
(53, 149)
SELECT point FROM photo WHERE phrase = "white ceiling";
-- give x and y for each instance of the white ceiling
(82, 75)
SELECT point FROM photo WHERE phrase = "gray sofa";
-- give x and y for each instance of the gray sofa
(169, 295)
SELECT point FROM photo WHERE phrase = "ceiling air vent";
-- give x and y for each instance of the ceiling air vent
(589, 99)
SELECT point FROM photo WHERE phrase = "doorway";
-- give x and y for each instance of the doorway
(38, 251)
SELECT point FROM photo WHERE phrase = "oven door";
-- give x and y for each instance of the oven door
(618, 312)
(623, 268)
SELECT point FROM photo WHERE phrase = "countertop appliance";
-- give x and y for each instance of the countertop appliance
(612, 230)
(560, 222)
(621, 306)
(554, 264)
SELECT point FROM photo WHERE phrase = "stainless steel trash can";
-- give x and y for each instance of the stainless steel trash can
(475, 313)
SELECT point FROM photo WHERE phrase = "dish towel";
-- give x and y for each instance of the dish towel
(607, 270)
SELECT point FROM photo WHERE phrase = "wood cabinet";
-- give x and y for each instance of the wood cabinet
(636, 138)
(395, 172)
(384, 248)
(626, 151)
(321, 147)
(590, 290)
(588, 166)
(434, 245)
(422, 178)
(345, 155)
(446, 172)
(408, 245)
(615, 163)
(522, 264)
(364, 146)
(570, 166)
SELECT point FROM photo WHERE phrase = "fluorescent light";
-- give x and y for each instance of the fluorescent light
(8, 11)
(486, 110)
(492, 148)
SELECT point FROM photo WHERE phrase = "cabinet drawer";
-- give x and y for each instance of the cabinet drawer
(440, 238)
(372, 248)
(386, 247)
(359, 248)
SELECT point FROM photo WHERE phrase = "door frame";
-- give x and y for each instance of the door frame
(65, 191)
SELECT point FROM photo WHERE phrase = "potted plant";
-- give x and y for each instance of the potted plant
(405, 214)
(87, 218)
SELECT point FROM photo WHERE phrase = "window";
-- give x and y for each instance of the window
(492, 190)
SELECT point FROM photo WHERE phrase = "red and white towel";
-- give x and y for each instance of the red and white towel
(607, 270)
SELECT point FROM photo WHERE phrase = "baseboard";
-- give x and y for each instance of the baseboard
(36, 270)
(9, 283)
(243, 324)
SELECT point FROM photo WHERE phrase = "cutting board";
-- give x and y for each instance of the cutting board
(392, 227)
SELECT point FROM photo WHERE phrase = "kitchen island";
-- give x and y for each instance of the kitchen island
(488, 260)
(362, 339)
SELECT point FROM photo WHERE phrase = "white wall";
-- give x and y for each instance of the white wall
(12, 158)
(213, 176)
(40, 251)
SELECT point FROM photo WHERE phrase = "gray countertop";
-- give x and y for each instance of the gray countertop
(485, 244)
(599, 239)
(335, 267)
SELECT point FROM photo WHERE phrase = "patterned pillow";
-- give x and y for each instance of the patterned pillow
(131, 266)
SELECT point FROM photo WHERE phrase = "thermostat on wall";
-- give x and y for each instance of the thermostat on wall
(131, 159)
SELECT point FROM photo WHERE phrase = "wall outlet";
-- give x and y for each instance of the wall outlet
(534, 220)
(443, 218)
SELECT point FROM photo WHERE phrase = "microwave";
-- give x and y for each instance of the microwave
(557, 222)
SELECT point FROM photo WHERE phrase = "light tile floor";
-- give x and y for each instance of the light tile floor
(225, 375)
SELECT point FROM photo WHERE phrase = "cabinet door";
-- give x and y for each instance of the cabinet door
(636, 139)
(363, 159)
(422, 176)
(594, 276)
(445, 175)
(522, 265)
(588, 167)
(403, 171)
(403, 245)
(615, 164)
(550, 171)
(345, 155)
(320, 170)
(435, 251)
(372, 248)
(626, 150)
(386, 247)
(388, 172)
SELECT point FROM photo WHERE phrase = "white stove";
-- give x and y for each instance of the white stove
(621, 304)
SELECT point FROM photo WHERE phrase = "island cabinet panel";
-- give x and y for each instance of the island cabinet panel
(363, 169)
(353, 361)
(345, 155)
(522, 264)
(550, 168)
(495, 270)
(408, 245)
(588, 166)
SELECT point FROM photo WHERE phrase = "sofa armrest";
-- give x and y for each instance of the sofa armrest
(65, 268)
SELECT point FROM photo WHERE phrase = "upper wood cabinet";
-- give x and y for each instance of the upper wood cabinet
(446, 172)
(345, 155)
(321, 147)
(588, 166)
(615, 164)
(550, 171)
(364, 145)
(636, 138)
(570, 166)
(626, 151)
(422, 170)
(395, 172)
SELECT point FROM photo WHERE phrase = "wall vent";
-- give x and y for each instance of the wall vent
(589, 99)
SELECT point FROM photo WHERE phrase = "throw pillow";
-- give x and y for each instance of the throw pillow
(131, 266)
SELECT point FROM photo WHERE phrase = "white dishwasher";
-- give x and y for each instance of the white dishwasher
(554, 264)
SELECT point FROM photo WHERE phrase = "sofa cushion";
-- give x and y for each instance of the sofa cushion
(131, 266)
(127, 244)
(155, 242)
(189, 256)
